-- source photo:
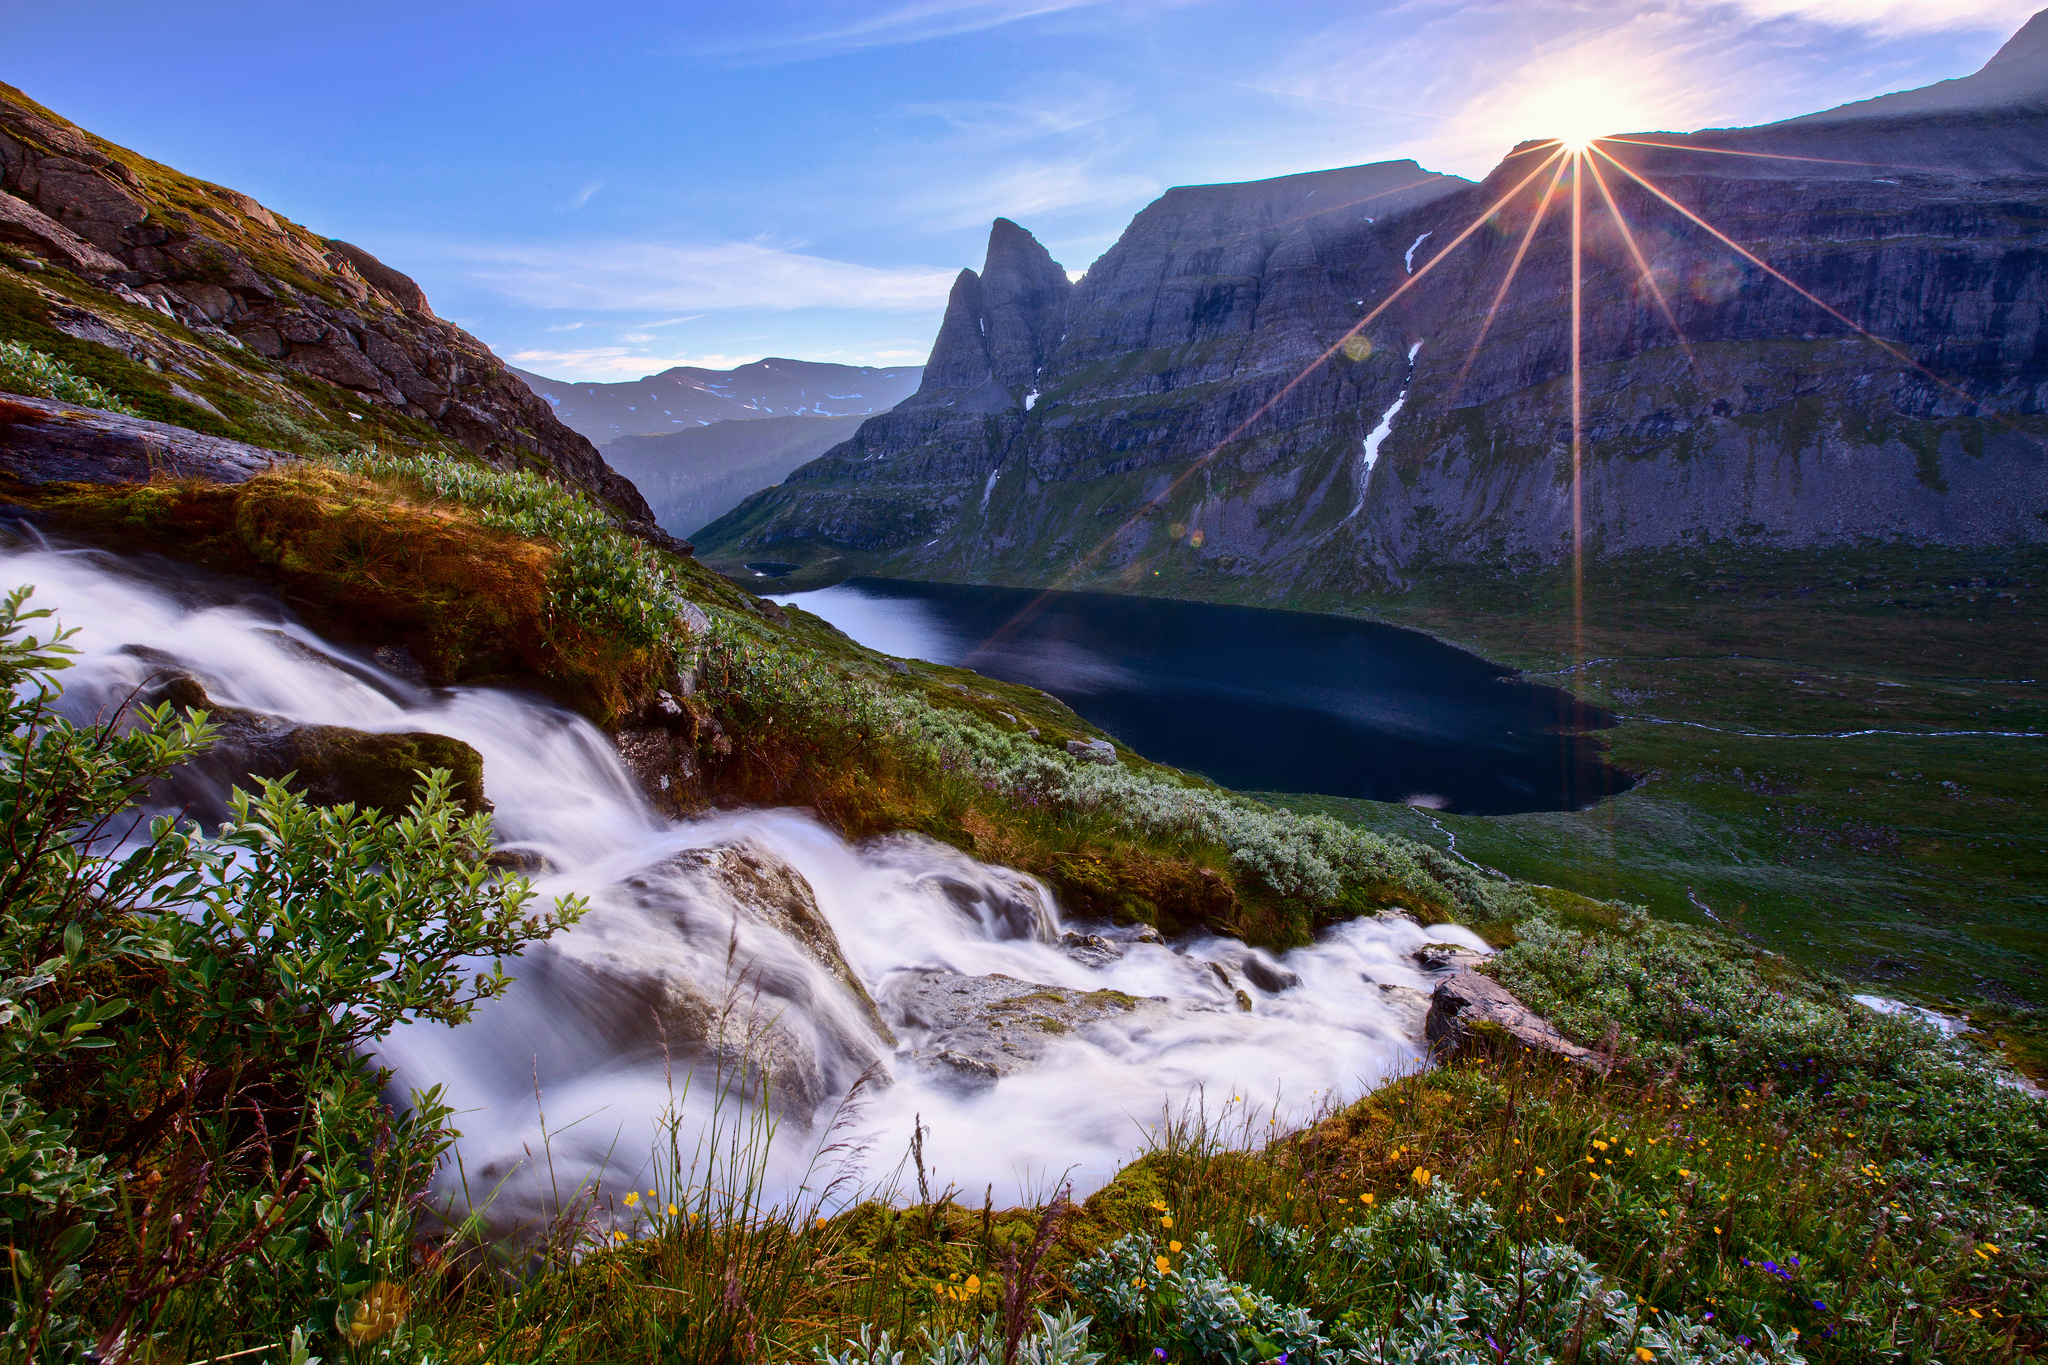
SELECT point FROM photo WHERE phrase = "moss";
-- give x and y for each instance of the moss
(362, 563)
(336, 764)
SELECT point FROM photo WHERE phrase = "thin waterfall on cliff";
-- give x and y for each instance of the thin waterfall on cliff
(755, 958)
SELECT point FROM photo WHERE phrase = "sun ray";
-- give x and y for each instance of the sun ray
(1514, 266)
(1642, 265)
(1777, 156)
(1578, 405)
(1760, 263)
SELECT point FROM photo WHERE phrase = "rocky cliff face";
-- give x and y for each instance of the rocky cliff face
(236, 308)
(1202, 425)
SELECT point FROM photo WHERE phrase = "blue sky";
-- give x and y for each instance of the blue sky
(601, 190)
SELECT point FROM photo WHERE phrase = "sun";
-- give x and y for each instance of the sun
(1577, 110)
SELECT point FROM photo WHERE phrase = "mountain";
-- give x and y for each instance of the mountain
(1188, 415)
(688, 396)
(697, 475)
(208, 311)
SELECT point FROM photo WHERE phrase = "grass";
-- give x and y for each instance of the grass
(1718, 1204)
(1743, 677)
(23, 369)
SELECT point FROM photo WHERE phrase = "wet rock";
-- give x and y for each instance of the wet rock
(1470, 1012)
(1446, 957)
(330, 764)
(772, 893)
(1269, 977)
(718, 963)
(1091, 950)
(997, 1023)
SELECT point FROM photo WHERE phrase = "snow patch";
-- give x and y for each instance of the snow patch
(1031, 400)
(1409, 259)
(1378, 435)
(989, 487)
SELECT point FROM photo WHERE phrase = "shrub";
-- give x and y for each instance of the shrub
(179, 1025)
(23, 369)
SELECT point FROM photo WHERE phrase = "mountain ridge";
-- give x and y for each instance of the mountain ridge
(685, 396)
(1196, 432)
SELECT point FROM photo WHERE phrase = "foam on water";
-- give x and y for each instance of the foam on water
(569, 1048)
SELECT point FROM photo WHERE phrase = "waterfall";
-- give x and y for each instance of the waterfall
(763, 933)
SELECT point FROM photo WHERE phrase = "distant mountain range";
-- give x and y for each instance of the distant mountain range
(695, 476)
(1199, 416)
(688, 396)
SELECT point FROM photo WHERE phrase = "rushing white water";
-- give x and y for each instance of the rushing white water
(618, 1022)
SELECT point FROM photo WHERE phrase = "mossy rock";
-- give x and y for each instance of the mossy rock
(336, 765)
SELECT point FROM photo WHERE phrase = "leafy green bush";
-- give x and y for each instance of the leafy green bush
(188, 1134)
(23, 369)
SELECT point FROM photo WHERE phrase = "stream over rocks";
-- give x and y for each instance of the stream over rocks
(1034, 1049)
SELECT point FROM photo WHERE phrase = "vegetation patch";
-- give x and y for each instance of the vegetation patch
(24, 369)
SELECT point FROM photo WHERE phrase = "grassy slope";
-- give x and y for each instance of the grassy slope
(1909, 859)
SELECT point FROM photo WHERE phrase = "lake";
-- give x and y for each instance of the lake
(1258, 700)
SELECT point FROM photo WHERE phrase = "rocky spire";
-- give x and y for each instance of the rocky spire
(1024, 297)
(1000, 326)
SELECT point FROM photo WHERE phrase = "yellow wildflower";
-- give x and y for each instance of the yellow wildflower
(1684, 1173)
(1162, 1264)
(672, 1213)
(378, 1313)
(1645, 1354)
(1166, 1220)
(1173, 1247)
(1365, 1199)
(632, 1198)
(973, 1284)
(1160, 1205)
(1990, 1248)
(1539, 1172)
(1422, 1175)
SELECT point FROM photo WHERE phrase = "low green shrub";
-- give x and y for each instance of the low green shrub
(24, 369)
(191, 1148)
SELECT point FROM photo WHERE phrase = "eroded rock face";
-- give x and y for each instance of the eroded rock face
(982, 1028)
(228, 267)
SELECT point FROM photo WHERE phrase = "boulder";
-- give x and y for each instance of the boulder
(982, 1028)
(1446, 957)
(44, 441)
(1093, 750)
(330, 764)
(716, 964)
(1470, 1012)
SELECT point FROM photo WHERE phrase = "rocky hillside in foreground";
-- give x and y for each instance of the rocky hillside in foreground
(1171, 419)
(206, 311)
(689, 396)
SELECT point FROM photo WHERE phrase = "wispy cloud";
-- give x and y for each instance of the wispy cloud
(628, 276)
(919, 22)
(1890, 17)
(582, 195)
(1028, 190)
(599, 363)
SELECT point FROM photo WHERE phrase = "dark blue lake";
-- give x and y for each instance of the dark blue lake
(1258, 700)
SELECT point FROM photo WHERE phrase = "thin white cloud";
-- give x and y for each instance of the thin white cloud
(911, 23)
(582, 195)
(622, 276)
(616, 362)
(1035, 189)
(1896, 17)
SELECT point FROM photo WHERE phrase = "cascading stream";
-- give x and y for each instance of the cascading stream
(759, 939)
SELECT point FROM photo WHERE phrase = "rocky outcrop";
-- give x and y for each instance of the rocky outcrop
(978, 1029)
(210, 262)
(329, 764)
(1216, 422)
(42, 441)
(1468, 1011)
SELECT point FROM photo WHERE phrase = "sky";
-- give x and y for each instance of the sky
(601, 189)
